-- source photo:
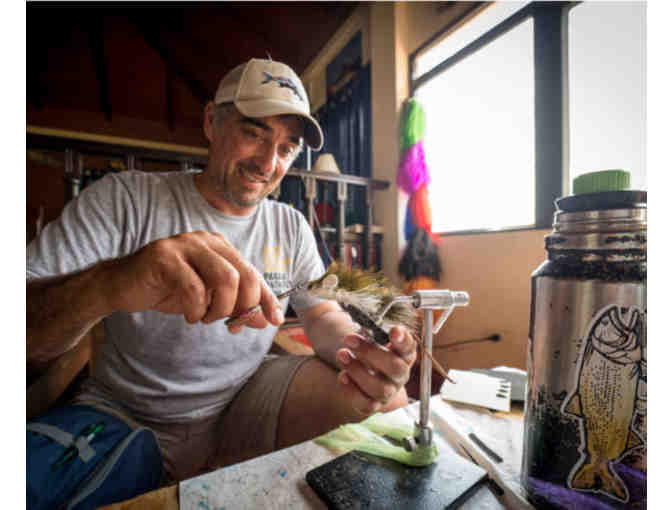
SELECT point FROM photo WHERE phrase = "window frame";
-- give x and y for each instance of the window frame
(551, 102)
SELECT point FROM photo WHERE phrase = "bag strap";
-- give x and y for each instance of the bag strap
(60, 436)
(84, 449)
(101, 472)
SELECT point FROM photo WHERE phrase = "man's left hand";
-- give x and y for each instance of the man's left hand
(373, 375)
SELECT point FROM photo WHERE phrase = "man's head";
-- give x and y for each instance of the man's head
(256, 127)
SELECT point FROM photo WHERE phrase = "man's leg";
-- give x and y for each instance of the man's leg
(288, 400)
(316, 403)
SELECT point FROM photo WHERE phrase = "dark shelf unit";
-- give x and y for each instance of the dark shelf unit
(310, 179)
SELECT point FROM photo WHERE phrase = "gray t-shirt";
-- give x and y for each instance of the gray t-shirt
(158, 366)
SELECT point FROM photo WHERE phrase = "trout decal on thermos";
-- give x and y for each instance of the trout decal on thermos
(584, 442)
(605, 398)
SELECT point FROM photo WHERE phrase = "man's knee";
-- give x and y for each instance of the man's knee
(317, 382)
(313, 380)
(316, 404)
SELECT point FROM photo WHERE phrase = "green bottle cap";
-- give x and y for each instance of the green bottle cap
(604, 180)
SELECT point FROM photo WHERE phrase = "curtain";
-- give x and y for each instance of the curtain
(346, 122)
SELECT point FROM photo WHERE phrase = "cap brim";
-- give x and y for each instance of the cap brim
(269, 107)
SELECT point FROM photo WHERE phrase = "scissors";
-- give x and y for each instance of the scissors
(242, 318)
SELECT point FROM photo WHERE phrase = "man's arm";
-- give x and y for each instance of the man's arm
(61, 310)
(370, 374)
(199, 275)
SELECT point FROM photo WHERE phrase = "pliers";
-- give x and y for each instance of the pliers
(242, 318)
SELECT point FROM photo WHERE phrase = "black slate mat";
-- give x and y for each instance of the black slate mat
(358, 480)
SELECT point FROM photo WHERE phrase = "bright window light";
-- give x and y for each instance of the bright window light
(607, 84)
(492, 15)
(479, 137)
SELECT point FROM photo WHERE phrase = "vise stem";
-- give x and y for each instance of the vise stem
(426, 376)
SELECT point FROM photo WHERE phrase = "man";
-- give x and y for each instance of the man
(161, 259)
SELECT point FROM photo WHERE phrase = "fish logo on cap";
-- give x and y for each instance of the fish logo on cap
(283, 83)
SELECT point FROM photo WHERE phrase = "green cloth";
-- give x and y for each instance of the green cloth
(412, 127)
(367, 436)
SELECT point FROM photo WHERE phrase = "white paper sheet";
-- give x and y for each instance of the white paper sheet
(477, 389)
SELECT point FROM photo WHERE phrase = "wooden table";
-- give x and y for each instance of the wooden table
(501, 431)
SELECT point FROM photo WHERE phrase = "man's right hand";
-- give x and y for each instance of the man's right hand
(199, 275)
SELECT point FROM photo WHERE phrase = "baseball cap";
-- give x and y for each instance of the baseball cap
(263, 88)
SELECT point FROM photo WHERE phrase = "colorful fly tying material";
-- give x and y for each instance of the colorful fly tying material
(367, 436)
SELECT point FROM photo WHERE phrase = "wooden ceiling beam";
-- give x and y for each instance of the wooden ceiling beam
(153, 38)
(36, 63)
(96, 33)
(249, 25)
(170, 113)
(34, 89)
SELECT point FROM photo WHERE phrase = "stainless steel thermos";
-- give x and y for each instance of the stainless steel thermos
(585, 411)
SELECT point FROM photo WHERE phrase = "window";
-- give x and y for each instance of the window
(479, 136)
(494, 14)
(525, 97)
(607, 86)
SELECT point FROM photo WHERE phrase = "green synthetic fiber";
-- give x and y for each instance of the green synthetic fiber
(412, 128)
(367, 437)
(378, 424)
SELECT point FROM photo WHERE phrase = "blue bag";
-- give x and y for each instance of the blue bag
(79, 458)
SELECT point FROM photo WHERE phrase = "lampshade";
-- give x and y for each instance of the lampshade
(326, 163)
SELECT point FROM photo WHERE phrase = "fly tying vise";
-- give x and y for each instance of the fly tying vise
(374, 304)
(376, 307)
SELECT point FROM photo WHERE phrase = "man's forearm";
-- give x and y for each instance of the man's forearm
(61, 311)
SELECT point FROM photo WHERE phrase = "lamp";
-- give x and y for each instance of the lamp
(326, 163)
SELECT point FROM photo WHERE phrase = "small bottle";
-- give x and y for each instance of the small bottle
(585, 411)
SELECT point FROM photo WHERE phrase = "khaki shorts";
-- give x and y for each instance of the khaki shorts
(247, 427)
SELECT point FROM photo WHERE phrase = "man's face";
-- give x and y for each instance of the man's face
(248, 158)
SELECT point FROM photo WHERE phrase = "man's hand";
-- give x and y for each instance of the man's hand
(199, 275)
(372, 377)
(375, 374)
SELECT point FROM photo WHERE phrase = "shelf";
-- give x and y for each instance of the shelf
(360, 234)
(358, 228)
(347, 178)
(58, 140)
(353, 230)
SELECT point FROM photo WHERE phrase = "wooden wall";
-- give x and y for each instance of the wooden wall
(45, 188)
(495, 270)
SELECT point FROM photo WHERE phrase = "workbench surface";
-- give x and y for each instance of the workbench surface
(277, 480)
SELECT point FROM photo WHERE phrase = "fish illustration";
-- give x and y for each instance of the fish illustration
(606, 398)
(283, 83)
(638, 458)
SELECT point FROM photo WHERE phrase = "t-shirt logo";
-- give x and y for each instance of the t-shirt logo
(276, 265)
(275, 260)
